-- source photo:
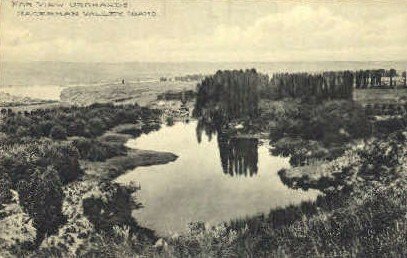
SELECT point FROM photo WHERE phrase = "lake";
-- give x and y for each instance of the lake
(212, 180)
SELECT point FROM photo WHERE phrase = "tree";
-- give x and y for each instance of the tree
(229, 94)
(392, 73)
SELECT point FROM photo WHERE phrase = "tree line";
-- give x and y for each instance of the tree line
(235, 93)
(373, 78)
(327, 85)
(229, 94)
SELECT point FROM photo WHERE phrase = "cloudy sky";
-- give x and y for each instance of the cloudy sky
(213, 31)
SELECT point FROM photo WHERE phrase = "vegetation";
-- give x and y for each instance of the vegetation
(364, 215)
(229, 94)
(356, 156)
(59, 123)
(361, 169)
(41, 153)
(311, 87)
(184, 96)
(37, 170)
(185, 78)
(305, 132)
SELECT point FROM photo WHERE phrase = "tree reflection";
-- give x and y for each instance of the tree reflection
(238, 156)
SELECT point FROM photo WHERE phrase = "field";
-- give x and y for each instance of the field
(379, 96)
(141, 93)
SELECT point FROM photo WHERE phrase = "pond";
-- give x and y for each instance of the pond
(213, 180)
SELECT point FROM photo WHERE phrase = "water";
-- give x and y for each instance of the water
(207, 183)
(43, 92)
(56, 75)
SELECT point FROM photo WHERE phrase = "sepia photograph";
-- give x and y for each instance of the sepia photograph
(203, 128)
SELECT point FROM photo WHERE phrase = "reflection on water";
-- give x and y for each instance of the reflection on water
(195, 187)
(238, 155)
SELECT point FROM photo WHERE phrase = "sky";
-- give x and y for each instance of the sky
(210, 30)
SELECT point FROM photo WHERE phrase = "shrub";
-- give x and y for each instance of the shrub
(5, 187)
(37, 170)
(96, 126)
(169, 121)
(44, 128)
(111, 209)
(58, 133)
(64, 158)
(94, 150)
(41, 197)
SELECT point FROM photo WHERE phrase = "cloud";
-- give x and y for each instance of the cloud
(303, 32)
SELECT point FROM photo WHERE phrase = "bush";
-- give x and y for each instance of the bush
(94, 150)
(41, 197)
(338, 121)
(64, 158)
(18, 160)
(58, 133)
(315, 122)
(44, 128)
(5, 187)
(169, 121)
(38, 170)
(111, 209)
(96, 126)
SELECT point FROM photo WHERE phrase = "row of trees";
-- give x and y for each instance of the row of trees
(328, 85)
(373, 78)
(229, 94)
